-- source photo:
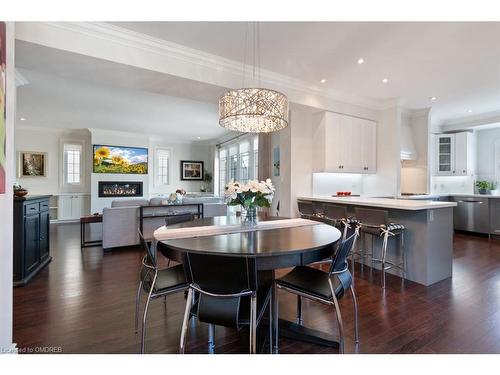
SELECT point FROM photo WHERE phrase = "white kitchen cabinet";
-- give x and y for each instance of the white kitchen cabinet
(455, 154)
(345, 144)
(72, 206)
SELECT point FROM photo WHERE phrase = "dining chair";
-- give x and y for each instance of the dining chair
(324, 287)
(156, 283)
(231, 293)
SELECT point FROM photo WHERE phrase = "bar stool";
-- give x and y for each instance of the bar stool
(337, 216)
(310, 210)
(376, 223)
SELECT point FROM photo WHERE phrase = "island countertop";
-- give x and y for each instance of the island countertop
(399, 204)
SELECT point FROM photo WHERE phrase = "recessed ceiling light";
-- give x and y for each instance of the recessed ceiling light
(198, 137)
(470, 110)
(323, 80)
(22, 119)
(433, 98)
(385, 80)
(361, 60)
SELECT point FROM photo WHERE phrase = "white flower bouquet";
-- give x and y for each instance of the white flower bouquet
(250, 195)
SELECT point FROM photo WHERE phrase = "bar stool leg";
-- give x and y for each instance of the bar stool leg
(384, 253)
(253, 324)
(403, 255)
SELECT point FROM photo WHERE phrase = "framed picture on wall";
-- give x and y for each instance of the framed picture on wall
(32, 164)
(191, 170)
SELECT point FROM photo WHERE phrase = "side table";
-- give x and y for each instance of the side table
(84, 220)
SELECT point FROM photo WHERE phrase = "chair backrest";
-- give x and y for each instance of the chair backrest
(339, 262)
(305, 208)
(372, 217)
(318, 208)
(150, 251)
(335, 212)
(221, 281)
(182, 218)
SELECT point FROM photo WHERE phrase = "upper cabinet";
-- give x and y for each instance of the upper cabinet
(345, 144)
(455, 154)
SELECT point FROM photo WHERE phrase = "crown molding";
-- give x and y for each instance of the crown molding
(469, 122)
(122, 36)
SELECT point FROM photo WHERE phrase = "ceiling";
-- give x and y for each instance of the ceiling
(68, 90)
(458, 63)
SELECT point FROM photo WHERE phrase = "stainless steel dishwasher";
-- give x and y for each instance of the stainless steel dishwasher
(471, 214)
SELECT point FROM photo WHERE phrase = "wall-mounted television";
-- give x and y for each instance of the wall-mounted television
(120, 159)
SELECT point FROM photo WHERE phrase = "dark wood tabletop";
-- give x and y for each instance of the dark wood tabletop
(273, 248)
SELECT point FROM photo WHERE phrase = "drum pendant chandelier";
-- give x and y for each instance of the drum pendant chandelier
(253, 110)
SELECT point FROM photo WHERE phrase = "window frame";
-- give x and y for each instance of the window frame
(64, 184)
(251, 139)
(157, 152)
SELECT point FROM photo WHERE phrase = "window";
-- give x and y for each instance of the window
(222, 170)
(162, 169)
(256, 157)
(244, 162)
(72, 164)
(238, 161)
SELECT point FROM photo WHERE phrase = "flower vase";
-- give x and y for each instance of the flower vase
(249, 215)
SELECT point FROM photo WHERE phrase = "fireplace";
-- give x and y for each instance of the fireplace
(108, 189)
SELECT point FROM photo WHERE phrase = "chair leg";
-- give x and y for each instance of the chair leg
(270, 327)
(137, 302)
(253, 324)
(355, 303)
(185, 321)
(339, 318)
(211, 339)
(274, 301)
(299, 310)
(144, 319)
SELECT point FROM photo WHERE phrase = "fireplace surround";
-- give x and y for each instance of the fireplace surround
(112, 189)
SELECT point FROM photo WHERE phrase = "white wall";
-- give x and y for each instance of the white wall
(50, 140)
(6, 203)
(178, 152)
(387, 179)
(485, 153)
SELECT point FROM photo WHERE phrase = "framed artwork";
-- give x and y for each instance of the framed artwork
(120, 159)
(276, 161)
(32, 164)
(191, 170)
(3, 110)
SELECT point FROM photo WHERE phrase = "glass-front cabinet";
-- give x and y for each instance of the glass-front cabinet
(455, 154)
(446, 154)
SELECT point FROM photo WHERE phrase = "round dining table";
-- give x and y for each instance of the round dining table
(272, 249)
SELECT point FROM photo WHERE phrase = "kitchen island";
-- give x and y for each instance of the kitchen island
(428, 237)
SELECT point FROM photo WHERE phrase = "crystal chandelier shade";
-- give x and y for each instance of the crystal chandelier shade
(253, 110)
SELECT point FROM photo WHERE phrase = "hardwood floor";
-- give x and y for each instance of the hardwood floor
(84, 303)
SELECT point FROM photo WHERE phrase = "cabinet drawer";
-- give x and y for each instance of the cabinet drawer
(32, 208)
(44, 206)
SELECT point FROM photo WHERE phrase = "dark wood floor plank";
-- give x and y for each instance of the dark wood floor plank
(84, 303)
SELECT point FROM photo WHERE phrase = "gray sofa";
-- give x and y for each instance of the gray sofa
(120, 222)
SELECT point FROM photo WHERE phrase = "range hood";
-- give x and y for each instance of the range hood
(408, 150)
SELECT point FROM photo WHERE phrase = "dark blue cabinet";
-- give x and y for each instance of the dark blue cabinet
(31, 237)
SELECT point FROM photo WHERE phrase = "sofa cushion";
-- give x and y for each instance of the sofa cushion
(130, 203)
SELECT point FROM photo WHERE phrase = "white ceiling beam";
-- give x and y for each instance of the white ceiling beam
(108, 42)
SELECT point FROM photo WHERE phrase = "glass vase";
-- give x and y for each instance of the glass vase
(249, 215)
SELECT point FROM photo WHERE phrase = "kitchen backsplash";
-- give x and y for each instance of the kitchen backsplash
(325, 184)
(452, 185)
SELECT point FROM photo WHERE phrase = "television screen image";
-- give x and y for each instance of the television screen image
(119, 159)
